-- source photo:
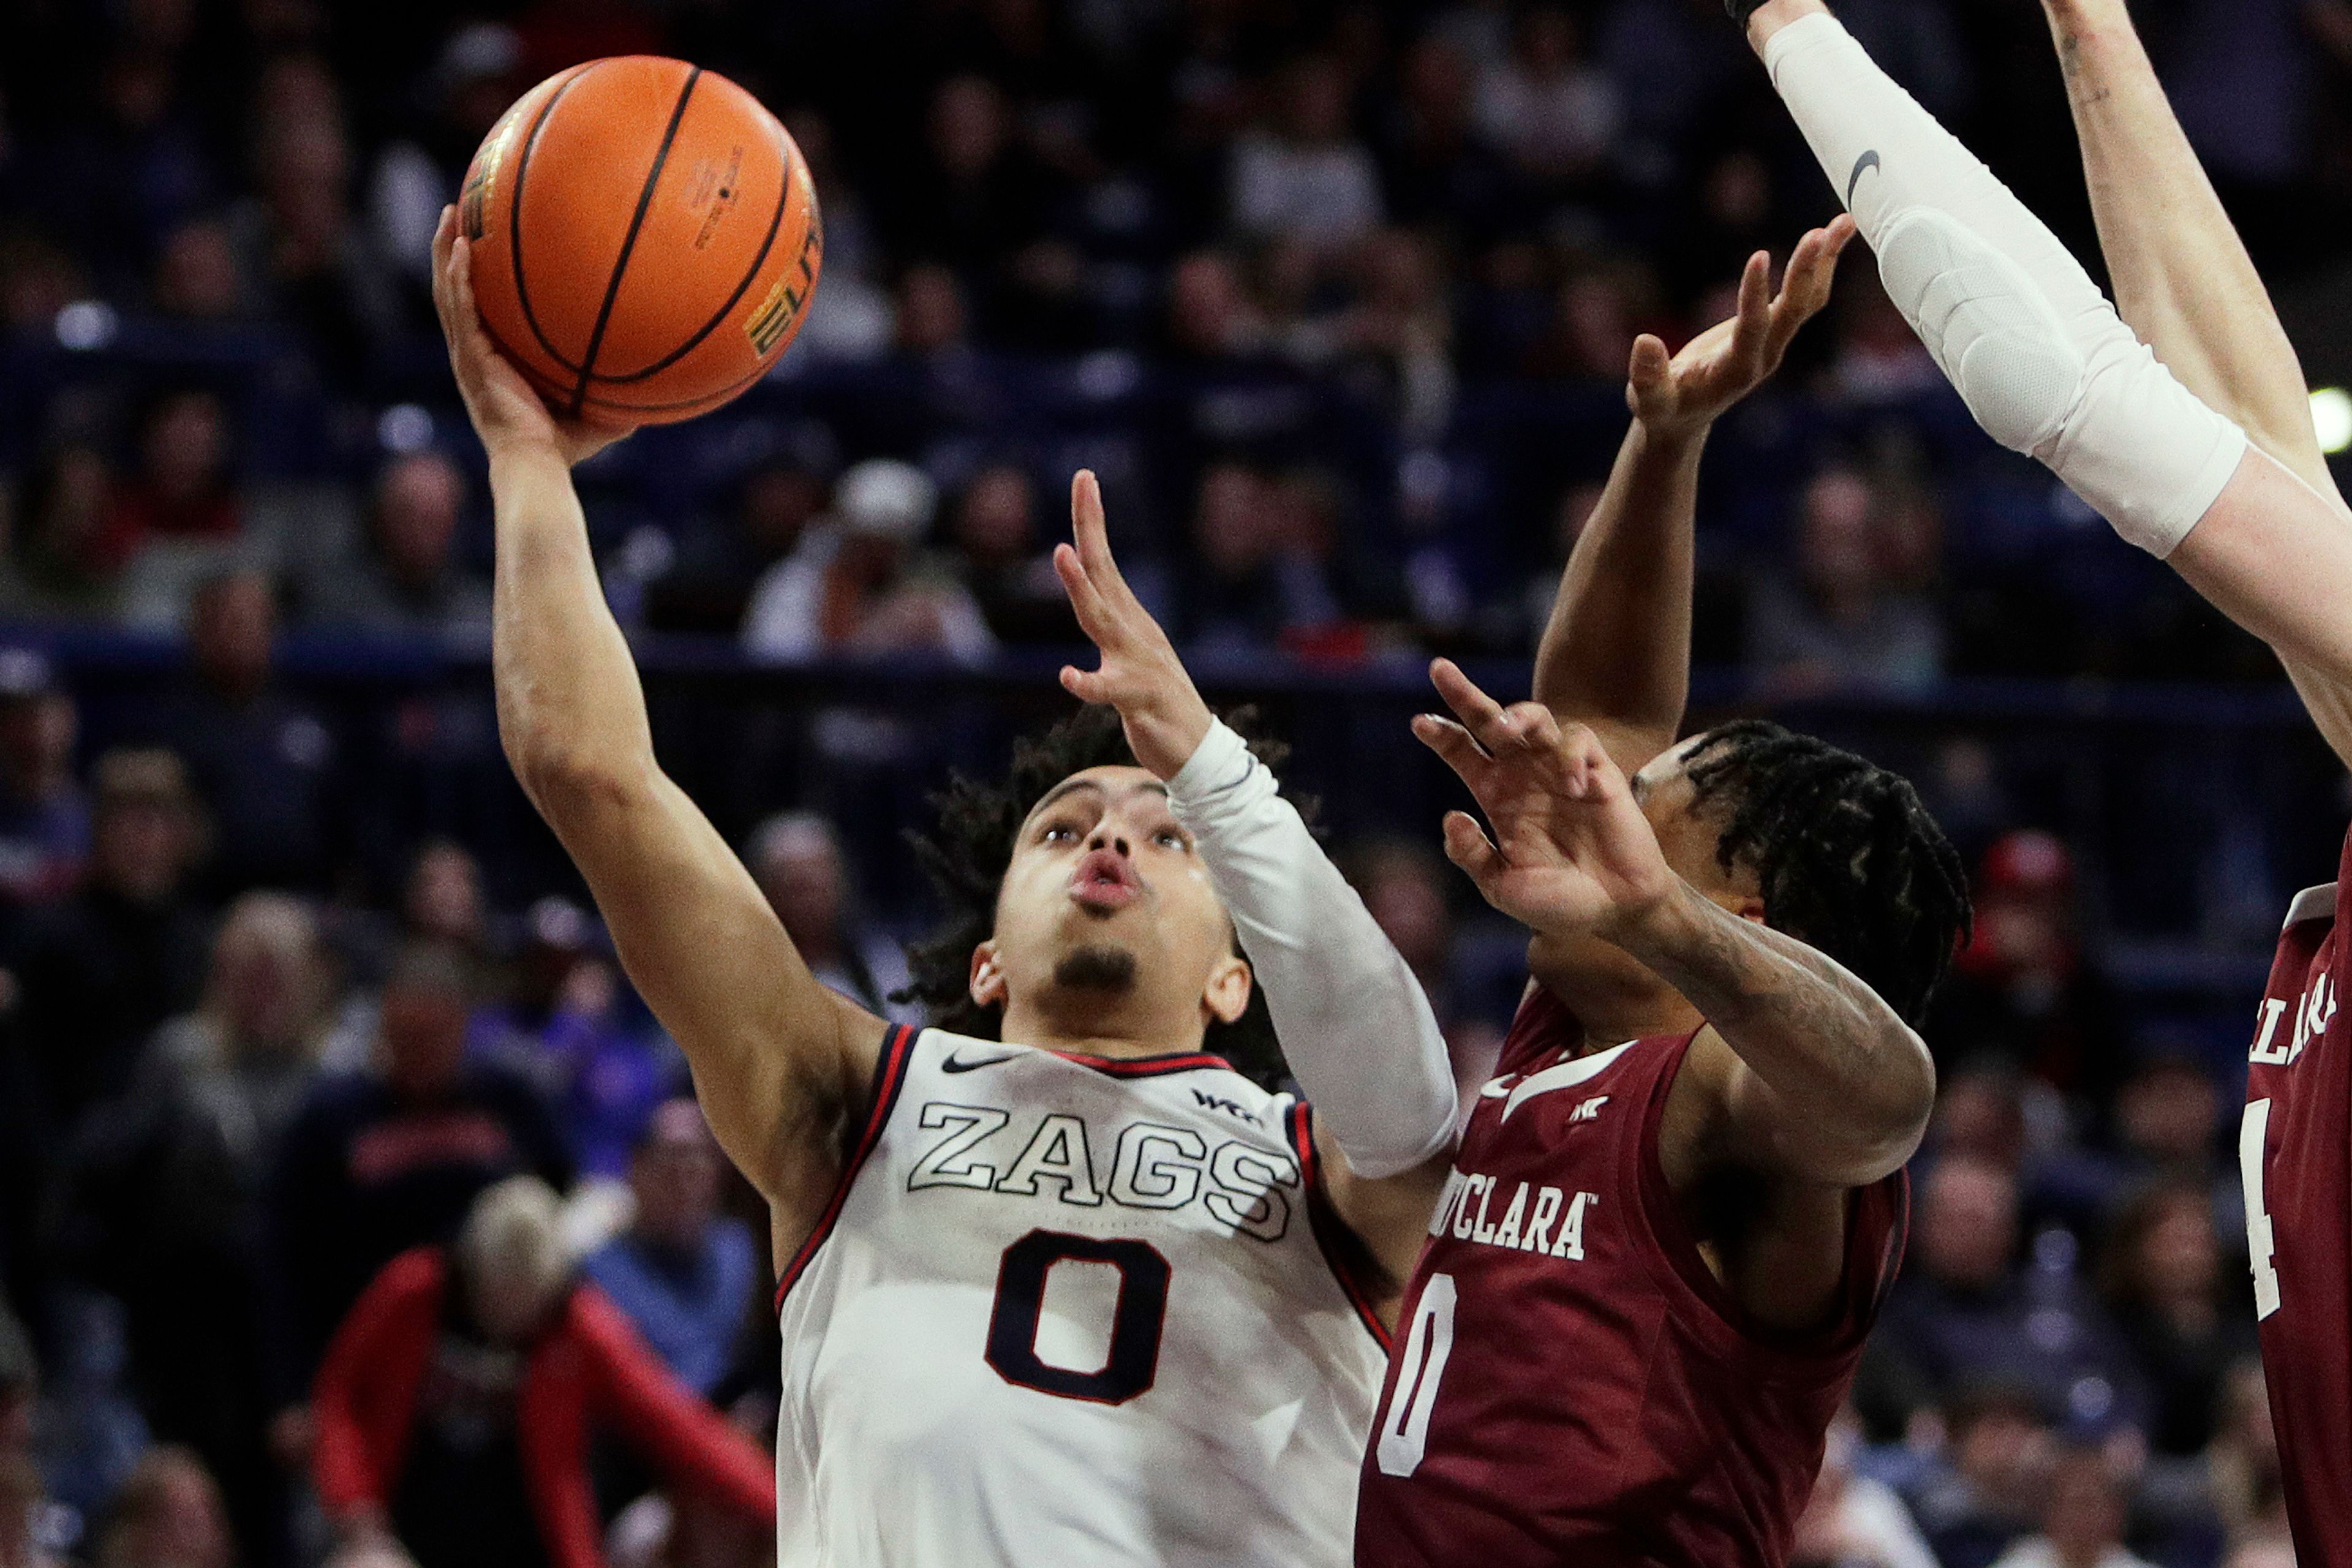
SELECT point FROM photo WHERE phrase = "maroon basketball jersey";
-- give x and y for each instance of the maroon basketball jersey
(2294, 1155)
(1574, 1385)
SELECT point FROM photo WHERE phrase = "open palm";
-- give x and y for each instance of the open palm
(1687, 392)
(1571, 850)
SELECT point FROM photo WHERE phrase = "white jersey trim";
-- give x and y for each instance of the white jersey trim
(2311, 904)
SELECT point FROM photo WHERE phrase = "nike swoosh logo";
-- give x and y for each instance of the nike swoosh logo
(1862, 166)
(1499, 1088)
(1566, 1075)
(956, 1064)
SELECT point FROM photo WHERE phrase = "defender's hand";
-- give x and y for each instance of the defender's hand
(1140, 675)
(1684, 395)
(1571, 851)
(507, 414)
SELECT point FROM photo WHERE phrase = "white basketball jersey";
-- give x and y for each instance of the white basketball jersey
(1063, 1310)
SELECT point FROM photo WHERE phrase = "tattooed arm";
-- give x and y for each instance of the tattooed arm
(1821, 1081)
(1805, 1073)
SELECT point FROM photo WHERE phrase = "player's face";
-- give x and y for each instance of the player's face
(1602, 975)
(1106, 905)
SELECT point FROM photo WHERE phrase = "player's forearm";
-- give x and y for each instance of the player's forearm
(2182, 278)
(1617, 648)
(1354, 1024)
(1850, 1084)
(571, 708)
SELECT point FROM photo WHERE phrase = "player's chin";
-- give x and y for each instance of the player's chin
(1101, 966)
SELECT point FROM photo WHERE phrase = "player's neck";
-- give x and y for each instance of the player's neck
(1613, 1014)
(1111, 1030)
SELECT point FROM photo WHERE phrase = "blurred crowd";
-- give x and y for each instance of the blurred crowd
(1338, 296)
(275, 1149)
(298, 1010)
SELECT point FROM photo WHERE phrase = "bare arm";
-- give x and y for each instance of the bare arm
(2182, 278)
(777, 1058)
(1829, 1086)
(1615, 655)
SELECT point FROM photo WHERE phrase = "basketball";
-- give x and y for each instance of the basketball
(644, 239)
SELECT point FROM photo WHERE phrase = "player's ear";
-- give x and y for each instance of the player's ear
(987, 983)
(1227, 994)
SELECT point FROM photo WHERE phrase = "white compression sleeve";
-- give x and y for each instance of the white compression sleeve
(2035, 349)
(1353, 1022)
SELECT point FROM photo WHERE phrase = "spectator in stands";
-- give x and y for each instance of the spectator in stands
(477, 73)
(1211, 319)
(378, 1162)
(99, 972)
(441, 899)
(797, 860)
(930, 318)
(1963, 1310)
(1230, 600)
(2187, 1318)
(1403, 325)
(65, 565)
(1305, 177)
(199, 281)
(2082, 1522)
(977, 197)
(709, 587)
(168, 1514)
(259, 756)
(2023, 989)
(300, 232)
(43, 816)
(1554, 114)
(859, 586)
(1849, 619)
(2166, 1114)
(687, 1275)
(1440, 170)
(1011, 579)
(409, 580)
(565, 1025)
(456, 1404)
(181, 492)
(1854, 1521)
(1984, 1488)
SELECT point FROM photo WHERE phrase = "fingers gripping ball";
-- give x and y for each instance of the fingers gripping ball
(645, 236)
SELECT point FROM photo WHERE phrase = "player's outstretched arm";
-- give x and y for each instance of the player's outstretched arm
(1354, 1024)
(2045, 364)
(1615, 655)
(1829, 1086)
(2182, 278)
(777, 1058)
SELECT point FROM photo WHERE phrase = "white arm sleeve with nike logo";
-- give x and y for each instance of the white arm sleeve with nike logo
(2035, 349)
(1353, 1021)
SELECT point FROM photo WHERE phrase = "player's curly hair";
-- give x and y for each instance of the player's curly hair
(1845, 855)
(967, 853)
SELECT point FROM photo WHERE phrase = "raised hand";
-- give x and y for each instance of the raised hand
(1140, 675)
(1570, 851)
(1683, 394)
(507, 414)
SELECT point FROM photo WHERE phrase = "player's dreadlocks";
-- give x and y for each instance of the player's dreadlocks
(967, 855)
(1846, 857)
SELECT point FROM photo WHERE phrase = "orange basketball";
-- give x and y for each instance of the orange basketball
(644, 237)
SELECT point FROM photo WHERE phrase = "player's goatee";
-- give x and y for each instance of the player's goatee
(1096, 969)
